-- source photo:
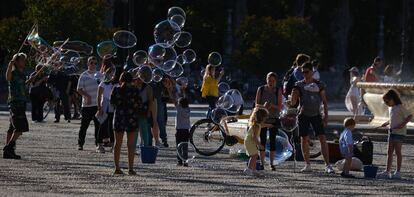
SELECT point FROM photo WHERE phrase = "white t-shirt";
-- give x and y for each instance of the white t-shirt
(344, 141)
(398, 114)
(107, 89)
(88, 84)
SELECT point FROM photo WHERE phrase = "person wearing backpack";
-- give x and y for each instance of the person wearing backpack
(269, 96)
(293, 74)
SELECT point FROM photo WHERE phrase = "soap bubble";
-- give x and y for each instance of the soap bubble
(284, 149)
(186, 152)
(172, 11)
(157, 75)
(164, 32)
(140, 57)
(145, 73)
(223, 87)
(168, 65)
(76, 45)
(156, 51)
(124, 39)
(189, 56)
(106, 47)
(237, 98)
(214, 58)
(289, 119)
(99, 76)
(183, 39)
(202, 72)
(180, 59)
(176, 71)
(180, 20)
(225, 102)
(182, 81)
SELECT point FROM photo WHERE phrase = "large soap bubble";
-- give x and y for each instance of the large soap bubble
(284, 149)
(218, 114)
(145, 73)
(225, 102)
(70, 57)
(186, 152)
(237, 98)
(164, 32)
(180, 59)
(105, 48)
(156, 51)
(124, 39)
(189, 56)
(157, 75)
(214, 58)
(76, 45)
(289, 119)
(140, 57)
(183, 39)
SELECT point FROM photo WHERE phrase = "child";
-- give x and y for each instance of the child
(399, 117)
(346, 144)
(251, 141)
(182, 124)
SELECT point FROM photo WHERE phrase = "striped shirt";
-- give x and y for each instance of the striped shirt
(88, 84)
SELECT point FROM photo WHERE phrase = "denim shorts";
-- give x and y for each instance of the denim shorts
(395, 137)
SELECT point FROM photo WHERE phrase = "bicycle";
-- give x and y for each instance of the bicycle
(208, 137)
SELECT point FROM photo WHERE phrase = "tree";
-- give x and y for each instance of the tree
(57, 20)
(271, 45)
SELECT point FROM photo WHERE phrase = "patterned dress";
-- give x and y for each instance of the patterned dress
(127, 103)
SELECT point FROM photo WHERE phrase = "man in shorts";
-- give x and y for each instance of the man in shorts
(17, 100)
(310, 93)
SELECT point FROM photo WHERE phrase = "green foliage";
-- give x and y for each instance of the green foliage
(57, 20)
(267, 44)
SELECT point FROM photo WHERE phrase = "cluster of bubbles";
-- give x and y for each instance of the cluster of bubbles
(161, 58)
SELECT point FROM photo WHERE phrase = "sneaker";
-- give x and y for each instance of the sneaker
(248, 172)
(307, 168)
(118, 172)
(185, 164)
(347, 175)
(259, 167)
(100, 149)
(329, 169)
(132, 172)
(273, 167)
(384, 175)
(80, 147)
(7, 154)
(396, 175)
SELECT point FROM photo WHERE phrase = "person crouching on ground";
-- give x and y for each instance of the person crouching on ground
(346, 144)
(126, 102)
(251, 141)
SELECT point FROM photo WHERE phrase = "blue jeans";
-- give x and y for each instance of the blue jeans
(211, 100)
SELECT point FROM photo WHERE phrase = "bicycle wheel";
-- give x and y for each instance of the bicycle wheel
(207, 137)
(46, 109)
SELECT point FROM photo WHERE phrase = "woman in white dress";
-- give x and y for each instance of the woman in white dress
(353, 97)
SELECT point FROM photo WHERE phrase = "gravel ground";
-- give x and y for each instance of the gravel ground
(52, 166)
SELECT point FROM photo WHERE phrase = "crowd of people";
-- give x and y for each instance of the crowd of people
(120, 102)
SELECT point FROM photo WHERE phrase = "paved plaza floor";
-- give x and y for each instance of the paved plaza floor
(52, 166)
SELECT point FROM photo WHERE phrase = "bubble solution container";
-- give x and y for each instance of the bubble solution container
(149, 154)
(370, 171)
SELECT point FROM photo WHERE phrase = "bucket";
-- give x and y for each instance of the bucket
(370, 171)
(149, 154)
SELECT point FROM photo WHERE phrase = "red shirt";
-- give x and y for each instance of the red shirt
(370, 75)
